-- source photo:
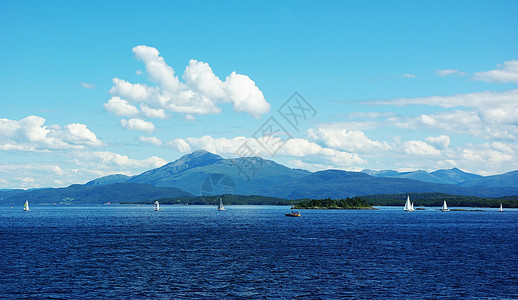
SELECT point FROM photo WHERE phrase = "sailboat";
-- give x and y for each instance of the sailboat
(501, 208)
(409, 206)
(157, 206)
(26, 206)
(445, 207)
(220, 205)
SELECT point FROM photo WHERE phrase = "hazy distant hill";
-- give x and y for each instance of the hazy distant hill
(450, 176)
(342, 184)
(87, 194)
(509, 179)
(110, 179)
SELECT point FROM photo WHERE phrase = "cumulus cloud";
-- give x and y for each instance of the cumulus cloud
(152, 140)
(348, 140)
(420, 148)
(440, 142)
(508, 72)
(450, 72)
(200, 93)
(121, 107)
(152, 112)
(138, 124)
(30, 134)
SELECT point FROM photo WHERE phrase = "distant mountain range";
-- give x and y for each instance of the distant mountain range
(204, 173)
(451, 176)
(85, 194)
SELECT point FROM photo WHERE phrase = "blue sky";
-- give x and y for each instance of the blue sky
(90, 88)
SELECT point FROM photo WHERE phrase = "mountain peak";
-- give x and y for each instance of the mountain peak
(196, 157)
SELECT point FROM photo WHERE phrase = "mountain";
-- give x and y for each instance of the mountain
(451, 176)
(342, 184)
(91, 194)
(509, 179)
(455, 176)
(204, 173)
(110, 179)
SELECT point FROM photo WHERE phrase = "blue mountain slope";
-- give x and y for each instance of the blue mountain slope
(509, 179)
(246, 176)
(92, 194)
(204, 173)
(455, 176)
(450, 176)
(110, 179)
(342, 184)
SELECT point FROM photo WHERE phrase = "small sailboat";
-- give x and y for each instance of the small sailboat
(157, 206)
(445, 207)
(26, 206)
(220, 205)
(501, 208)
(409, 206)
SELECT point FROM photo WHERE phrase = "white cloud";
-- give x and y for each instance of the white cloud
(508, 72)
(420, 148)
(87, 86)
(449, 72)
(138, 124)
(312, 167)
(107, 159)
(30, 134)
(492, 114)
(441, 142)
(370, 115)
(200, 94)
(121, 107)
(138, 72)
(292, 148)
(152, 112)
(408, 75)
(152, 140)
(348, 140)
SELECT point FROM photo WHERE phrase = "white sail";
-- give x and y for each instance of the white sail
(444, 206)
(220, 206)
(501, 208)
(408, 206)
(157, 206)
(26, 205)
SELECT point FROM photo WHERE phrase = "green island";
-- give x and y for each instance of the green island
(348, 203)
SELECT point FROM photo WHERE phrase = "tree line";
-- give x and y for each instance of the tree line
(348, 203)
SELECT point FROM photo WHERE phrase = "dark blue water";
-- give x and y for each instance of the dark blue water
(256, 252)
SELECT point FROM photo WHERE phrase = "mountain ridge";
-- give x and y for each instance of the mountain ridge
(202, 173)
